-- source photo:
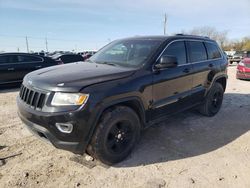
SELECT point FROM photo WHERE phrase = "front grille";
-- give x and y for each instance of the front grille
(247, 65)
(35, 99)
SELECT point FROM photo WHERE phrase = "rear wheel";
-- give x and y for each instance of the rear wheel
(213, 100)
(116, 134)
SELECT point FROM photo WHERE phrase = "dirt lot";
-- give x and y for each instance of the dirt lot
(188, 150)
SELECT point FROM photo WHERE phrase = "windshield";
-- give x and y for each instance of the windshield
(131, 53)
(238, 53)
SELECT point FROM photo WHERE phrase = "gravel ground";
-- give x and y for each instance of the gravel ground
(187, 150)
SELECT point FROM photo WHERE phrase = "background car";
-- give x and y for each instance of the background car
(246, 54)
(67, 58)
(237, 57)
(87, 54)
(243, 69)
(14, 66)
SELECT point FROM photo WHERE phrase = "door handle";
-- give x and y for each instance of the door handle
(11, 69)
(39, 66)
(186, 70)
(211, 65)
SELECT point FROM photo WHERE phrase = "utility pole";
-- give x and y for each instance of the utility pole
(165, 23)
(27, 44)
(46, 43)
(76, 50)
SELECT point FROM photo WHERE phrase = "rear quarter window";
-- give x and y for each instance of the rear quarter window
(196, 51)
(213, 51)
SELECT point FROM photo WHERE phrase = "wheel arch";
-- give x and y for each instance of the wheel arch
(134, 103)
(222, 80)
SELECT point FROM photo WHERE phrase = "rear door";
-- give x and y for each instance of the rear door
(172, 86)
(8, 69)
(27, 63)
(205, 60)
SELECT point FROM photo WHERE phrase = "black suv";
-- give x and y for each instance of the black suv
(14, 66)
(100, 106)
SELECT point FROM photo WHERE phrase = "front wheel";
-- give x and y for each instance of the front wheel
(116, 134)
(213, 100)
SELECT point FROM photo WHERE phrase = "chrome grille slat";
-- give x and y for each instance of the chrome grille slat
(27, 96)
(24, 91)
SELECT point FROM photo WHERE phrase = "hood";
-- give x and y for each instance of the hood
(75, 76)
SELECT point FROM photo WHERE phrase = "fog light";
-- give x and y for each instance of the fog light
(64, 127)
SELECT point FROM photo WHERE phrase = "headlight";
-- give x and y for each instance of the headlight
(241, 63)
(66, 99)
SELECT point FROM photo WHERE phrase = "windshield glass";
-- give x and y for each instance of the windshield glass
(238, 53)
(131, 53)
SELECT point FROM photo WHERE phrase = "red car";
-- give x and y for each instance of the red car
(243, 69)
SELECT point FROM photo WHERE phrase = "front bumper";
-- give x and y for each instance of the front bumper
(243, 73)
(42, 124)
(46, 135)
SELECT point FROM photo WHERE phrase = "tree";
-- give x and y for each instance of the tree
(246, 44)
(239, 45)
(211, 32)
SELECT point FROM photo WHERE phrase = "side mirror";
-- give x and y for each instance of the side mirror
(167, 62)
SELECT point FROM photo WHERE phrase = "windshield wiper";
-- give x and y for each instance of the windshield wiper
(107, 63)
(90, 61)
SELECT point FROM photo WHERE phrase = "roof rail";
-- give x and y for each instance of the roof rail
(181, 34)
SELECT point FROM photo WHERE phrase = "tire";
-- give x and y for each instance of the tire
(115, 136)
(213, 100)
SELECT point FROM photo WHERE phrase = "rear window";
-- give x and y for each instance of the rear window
(213, 51)
(197, 51)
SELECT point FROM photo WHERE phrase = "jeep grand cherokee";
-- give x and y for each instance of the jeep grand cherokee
(100, 106)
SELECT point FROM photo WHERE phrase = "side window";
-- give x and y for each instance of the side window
(13, 59)
(4, 59)
(178, 50)
(26, 58)
(197, 51)
(213, 51)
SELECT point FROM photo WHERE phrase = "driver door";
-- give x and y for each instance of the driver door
(172, 86)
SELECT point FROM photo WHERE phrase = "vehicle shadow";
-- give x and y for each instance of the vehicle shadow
(10, 88)
(190, 134)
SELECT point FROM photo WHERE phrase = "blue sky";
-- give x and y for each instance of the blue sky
(79, 24)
